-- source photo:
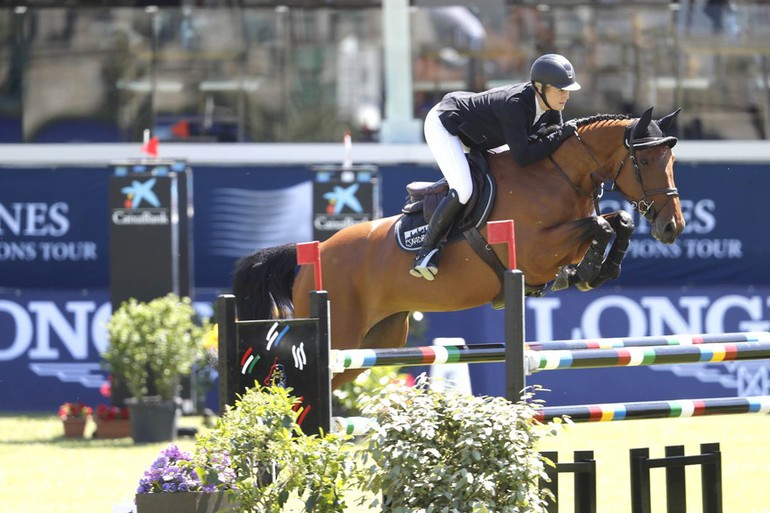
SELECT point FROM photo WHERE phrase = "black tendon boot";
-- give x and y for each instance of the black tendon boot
(426, 261)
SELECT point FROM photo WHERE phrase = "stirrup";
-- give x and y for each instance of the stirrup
(426, 267)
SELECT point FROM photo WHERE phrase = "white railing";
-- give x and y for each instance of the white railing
(99, 155)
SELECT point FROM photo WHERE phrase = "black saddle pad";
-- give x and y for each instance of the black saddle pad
(410, 228)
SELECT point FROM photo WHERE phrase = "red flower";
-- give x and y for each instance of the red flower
(74, 410)
(106, 413)
(106, 388)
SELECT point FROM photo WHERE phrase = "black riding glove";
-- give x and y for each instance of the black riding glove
(545, 133)
(567, 129)
(560, 134)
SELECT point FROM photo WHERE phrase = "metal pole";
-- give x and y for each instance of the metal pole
(515, 377)
(711, 479)
(640, 480)
(228, 350)
(319, 309)
(676, 491)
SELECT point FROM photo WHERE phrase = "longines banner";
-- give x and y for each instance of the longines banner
(53, 228)
(51, 341)
(54, 269)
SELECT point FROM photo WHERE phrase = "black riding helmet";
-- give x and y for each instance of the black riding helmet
(555, 70)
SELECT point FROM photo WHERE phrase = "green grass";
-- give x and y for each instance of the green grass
(42, 472)
(743, 442)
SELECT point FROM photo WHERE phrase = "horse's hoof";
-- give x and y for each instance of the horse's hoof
(583, 286)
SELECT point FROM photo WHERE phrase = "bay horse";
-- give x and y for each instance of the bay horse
(560, 238)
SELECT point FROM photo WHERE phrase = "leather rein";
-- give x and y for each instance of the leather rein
(643, 205)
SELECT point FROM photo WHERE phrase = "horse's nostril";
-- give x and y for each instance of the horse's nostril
(669, 228)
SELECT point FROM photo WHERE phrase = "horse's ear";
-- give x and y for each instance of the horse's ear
(640, 128)
(666, 121)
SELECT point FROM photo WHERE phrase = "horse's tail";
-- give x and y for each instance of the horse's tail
(263, 281)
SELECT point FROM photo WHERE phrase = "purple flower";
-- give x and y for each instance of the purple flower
(172, 471)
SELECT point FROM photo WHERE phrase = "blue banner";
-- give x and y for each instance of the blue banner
(54, 276)
(632, 312)
(723, 242)
(53, 228)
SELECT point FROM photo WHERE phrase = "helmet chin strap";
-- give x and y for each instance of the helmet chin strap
(541, 94)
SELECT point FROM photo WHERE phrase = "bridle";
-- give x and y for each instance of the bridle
(643, 205)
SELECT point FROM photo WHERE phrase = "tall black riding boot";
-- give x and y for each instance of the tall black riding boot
(426, 261)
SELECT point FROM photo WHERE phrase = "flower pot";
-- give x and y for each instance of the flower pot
(115, 428)
(183, 502)
(152, 419)
(74, 427)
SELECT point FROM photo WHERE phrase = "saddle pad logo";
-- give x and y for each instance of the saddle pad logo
(414, 238)
(411, 239)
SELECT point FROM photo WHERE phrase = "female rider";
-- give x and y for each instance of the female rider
(513, 115)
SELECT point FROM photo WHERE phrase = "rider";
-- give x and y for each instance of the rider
(514, 115)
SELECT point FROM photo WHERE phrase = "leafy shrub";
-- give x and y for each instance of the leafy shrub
(152, 344)
(273, 459)
(345, 399)
(452, 452)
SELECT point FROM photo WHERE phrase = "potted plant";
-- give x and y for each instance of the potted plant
(185, 482)
(111, 421)
(258, 458)
(151, 346)
(74, 417)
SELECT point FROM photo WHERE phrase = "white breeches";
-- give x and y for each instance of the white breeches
(449, 153)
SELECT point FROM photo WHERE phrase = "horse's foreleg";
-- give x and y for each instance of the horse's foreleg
(623, 225)
(589, 268)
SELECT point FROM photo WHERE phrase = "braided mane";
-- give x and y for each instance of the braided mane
(596, 118)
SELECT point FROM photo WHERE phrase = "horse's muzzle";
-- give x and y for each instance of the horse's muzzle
(667, 229)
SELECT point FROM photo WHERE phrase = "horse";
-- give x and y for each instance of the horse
(560, 238)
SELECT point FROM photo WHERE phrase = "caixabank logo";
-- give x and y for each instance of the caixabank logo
(140, 204)
(342, 209)
(339, 205)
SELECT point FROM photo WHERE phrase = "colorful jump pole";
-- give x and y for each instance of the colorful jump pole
(713, 346)
(342, 360)
(656, 409)
(642, 356)
(667, 340)
(611, 412)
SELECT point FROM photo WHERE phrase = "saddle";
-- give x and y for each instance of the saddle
(421, 202)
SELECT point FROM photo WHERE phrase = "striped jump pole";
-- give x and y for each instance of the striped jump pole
(666, 340)
(643, 356)
(352, 425)
(656, 409)
(612, 412)
(342, 360)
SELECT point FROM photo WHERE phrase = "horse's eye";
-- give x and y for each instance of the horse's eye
(644, 161)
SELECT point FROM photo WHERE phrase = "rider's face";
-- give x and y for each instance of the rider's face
(557, 98)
